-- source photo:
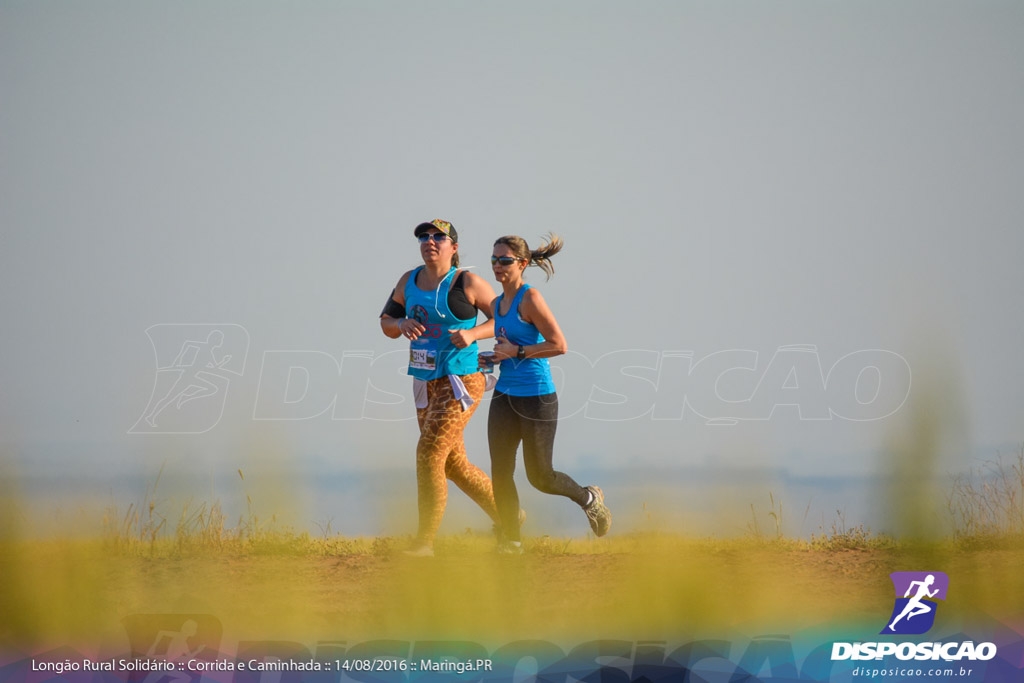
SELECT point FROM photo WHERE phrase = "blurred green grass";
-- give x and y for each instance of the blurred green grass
(655, 585)
(263, 579)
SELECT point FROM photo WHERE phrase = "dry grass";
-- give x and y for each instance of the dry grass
(259, 578)
(987, 505)
(646, 586)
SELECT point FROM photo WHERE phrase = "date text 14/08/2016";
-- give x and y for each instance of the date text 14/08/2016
(457, 667)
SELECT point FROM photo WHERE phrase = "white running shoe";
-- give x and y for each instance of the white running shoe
(421, 550)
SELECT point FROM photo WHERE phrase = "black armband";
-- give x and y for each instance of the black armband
(393, 308)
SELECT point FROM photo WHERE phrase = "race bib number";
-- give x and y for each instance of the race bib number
(422, 359)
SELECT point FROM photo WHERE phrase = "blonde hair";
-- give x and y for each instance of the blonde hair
(540, 257)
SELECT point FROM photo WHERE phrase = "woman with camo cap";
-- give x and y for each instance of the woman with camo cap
(435, 307)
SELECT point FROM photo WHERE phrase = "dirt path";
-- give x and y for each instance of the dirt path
(666, 595)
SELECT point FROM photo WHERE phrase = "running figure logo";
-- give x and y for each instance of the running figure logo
(194, 366)
(172, 638)
(914, 612)
(419, 314)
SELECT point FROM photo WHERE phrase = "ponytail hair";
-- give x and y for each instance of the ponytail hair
(540, 257)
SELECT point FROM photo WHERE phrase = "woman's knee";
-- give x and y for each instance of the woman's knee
(541, 479)
(457, 466)
(432, 448)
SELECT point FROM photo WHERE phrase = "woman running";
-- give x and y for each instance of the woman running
(525, 407)
(434, 306)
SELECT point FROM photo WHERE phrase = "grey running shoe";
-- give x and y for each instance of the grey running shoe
(510, 548)
(599, 516)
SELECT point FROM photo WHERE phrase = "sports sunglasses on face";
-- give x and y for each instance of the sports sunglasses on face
(436, 236)
(503, 260)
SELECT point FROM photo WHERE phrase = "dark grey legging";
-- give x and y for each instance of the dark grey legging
(532, 420)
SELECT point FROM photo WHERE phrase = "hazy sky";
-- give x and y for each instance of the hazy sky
(726, 176)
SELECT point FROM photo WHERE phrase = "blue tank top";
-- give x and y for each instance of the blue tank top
(433, 355)
(530, 376)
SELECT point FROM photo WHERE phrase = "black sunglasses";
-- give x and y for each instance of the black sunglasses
(503, 260)
(436, 236)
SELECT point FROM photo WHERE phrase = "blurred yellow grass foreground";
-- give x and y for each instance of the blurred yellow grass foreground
(266, 583)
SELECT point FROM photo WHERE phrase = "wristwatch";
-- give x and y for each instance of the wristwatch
(521, 353)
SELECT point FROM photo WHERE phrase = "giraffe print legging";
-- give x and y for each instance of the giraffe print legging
(441, 454)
